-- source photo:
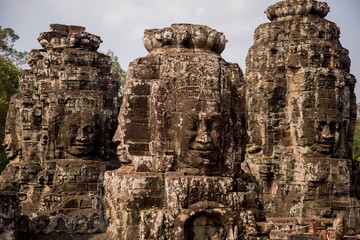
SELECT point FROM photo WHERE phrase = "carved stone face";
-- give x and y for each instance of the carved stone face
(198, 132)
(120, 149)
(10, 144)
(11, 138)
(326, 137)
(78, 133)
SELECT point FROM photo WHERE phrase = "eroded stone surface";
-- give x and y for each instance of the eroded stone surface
(181, 140)
(302, 112)
(9, 209)
(58, 134)
(185, 36)
(198, 151)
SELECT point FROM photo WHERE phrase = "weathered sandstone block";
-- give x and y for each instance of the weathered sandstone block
(181, 139)
(301, 112)
(58, 134)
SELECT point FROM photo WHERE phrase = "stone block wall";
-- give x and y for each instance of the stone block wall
(59, 131)
(301, 112)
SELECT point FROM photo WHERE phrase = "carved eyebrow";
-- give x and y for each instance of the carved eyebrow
(89, 127)
(216, 117)
(72, 126)
(212, 115)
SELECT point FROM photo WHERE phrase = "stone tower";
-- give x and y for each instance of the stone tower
(181, 139)
(58, 134)
(301, 112)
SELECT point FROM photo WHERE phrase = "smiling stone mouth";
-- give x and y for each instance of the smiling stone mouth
(202, 148)
(80, 145)
(120, 153)
(206, 162)
(206, 155)
(325, 145)
(202, 151)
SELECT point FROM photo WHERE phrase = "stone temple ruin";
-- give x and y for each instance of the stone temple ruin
(58, 134)
(180, 176)
(196, 150)
(301, 113)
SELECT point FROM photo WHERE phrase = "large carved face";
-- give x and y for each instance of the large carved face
(10, 144)
(326, 138)
(11, 138)
(120, 149)
(78, 133)
(198, 132)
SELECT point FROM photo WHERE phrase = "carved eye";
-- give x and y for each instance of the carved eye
(332, 126)
(191, 123)
(216, 123)
(195, 124)
(89, 129)
(321, 125)
(72, 128)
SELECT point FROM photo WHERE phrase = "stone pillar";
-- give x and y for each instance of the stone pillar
(302, 112)
(59, 130)
(181, 139)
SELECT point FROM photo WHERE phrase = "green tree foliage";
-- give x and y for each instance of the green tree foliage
(10, 62)
(356, 144)
(118, 71)
(8, 37)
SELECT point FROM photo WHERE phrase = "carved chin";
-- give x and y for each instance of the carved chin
(121, 155)
(80, 150)
(199, 158)
(11, 154)
(324, 148)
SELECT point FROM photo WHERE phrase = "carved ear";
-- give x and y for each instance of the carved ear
(20, 152)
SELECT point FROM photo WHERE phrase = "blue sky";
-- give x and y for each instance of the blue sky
(121, 23)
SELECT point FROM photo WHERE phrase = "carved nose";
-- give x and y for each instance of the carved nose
(6, 144)
(116, 137)
(326, 132)
(202, 133)
(81, 136)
